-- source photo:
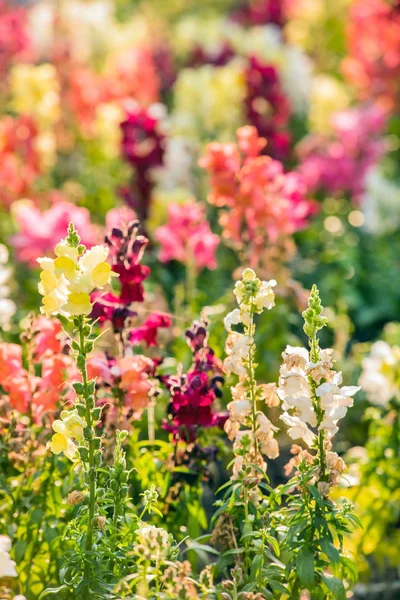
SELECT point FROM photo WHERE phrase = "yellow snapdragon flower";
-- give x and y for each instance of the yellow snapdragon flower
(210, 99)
(67, 281)
(328, 95)
(67, 429)
(35, 90)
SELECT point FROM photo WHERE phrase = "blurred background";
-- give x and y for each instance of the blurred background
(111, 108)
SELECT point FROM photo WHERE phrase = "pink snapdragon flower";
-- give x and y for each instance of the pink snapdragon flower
(340, 163)
(187, 236)
(40, 231)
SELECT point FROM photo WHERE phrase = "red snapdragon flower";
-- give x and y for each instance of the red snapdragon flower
(126, 252)
(193, 394)
(147, 332)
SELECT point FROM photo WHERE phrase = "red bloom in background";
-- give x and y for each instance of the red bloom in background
(261, 12)
(373, 61)
(143, 145)
(148, 331)
(19, 158)
(15, 43)
(267, 106)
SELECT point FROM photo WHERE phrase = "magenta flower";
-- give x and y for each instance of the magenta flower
(148, 331)
(340, 163)
(187, 237)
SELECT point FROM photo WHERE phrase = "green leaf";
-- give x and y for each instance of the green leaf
(335, 586)
(256, 566)
(330, 550)
(51, 591)
(305, 568)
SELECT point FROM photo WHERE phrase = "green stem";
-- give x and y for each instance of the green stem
(253, 397)
(91, 472)
(191, 286)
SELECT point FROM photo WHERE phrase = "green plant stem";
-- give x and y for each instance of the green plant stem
(314, 356)
(92, 473)
(253, 397)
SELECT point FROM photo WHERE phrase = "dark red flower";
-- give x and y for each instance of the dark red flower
(218, 57)
(148, 331)
(108, 307)
(126, 252)
(267, 106)
(193, 394)
(261, 12)
(143, 146)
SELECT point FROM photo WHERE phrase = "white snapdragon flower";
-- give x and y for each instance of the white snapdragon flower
(265, 297)
(335, 401)
(298, 430)
(7, 566)
(378, 378)
(7, 306)
(232, 318)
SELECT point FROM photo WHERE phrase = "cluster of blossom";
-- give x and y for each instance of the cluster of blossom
(187, 236)
(15, 43)
(29, 393)
(128, 376)
(251, 431)
(67, 281)
(380, 377)
(373, 64)
(194, 394)
(340, 162)
(7, 306)
(143, 145)
(255, 96)
(126, 248)
(313, 401)
(21, 157)
(260, 12)
(132, 74)
(50, 226)
(260, 202)
(267, 106)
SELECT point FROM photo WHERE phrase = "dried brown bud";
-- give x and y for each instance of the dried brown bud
(101, 522)
(75, 497)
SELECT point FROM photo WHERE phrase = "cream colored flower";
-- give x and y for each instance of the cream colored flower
(7, 566)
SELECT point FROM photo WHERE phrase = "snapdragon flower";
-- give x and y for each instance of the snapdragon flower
(250, 430)
(313, 399)
(67, 281)
(7, 306)
(7, 566)
(380, 377)
(68, 429)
